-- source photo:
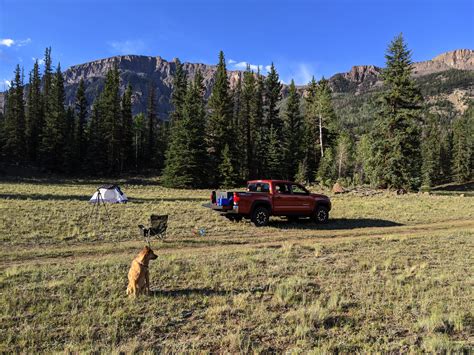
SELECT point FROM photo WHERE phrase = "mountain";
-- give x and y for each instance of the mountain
(449, 71)
(140, 72)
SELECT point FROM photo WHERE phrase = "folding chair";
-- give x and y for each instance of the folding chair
(158, 226)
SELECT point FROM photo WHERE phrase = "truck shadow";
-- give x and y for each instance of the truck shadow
(335, 224)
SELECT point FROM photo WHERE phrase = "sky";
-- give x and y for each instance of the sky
(301, 37)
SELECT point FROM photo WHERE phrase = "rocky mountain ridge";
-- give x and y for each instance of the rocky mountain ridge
(143, 71)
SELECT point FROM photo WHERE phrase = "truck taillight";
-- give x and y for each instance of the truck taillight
(236, 198)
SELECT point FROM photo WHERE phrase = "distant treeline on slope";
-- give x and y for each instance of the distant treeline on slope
(403, 133)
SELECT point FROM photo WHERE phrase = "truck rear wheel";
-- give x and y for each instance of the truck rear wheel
(260, 216)
(321, 215)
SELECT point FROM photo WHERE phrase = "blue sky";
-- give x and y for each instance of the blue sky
(302, 38)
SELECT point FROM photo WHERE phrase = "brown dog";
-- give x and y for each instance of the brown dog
(138, 275)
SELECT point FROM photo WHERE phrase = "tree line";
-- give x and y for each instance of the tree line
(243, 132)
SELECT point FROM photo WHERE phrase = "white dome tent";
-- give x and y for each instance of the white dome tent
(108, 194)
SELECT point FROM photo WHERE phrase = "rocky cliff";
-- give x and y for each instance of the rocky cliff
(140, 72)
(143, 71)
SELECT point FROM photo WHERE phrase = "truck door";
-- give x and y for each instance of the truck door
(302, 201)
(282, 199)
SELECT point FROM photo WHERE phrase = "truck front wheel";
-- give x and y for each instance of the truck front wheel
(321, 215)
(260, 216)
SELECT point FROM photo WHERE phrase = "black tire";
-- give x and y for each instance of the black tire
(260, 216)
(321, 215)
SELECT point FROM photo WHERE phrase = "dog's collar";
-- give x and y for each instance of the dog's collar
(145, 266)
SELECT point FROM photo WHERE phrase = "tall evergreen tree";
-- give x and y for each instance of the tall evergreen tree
(139, 141)
(293, 132)
(186, 158)
(80, 137)
(126, 159)
(463, 146)
(151, 123)
(430, 151)
(260, 132)
(274, 155)
(53, 140)
(112, 122)
(309, 143)
(273, 132)
(178, 95)
(396, 135)
(34, 114)
(71, 161)
(219, 127)
(246, 130)
(14, 129)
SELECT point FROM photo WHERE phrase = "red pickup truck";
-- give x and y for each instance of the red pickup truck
(265, 198)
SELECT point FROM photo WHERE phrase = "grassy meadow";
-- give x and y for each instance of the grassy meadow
(388, 273)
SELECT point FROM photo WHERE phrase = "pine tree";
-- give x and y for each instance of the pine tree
(34, 114)
(186, 158)
(194, 125)
(71, 161)
(112, 122)
(309, 143)
(96, 145)
(430, 152)
(396, 135)
(326, 174)
(220, 119)
(227, 169)
(47, 114)
(239, 148)
(14, 130)
(54, 140)
(273, 134)
(274, 155)
(139, 141)
(463, 146)
(260, 132)
(80, 137)
(272, 98)
(247, 130)
(126, 155)
(293, 132)
(178, 95)
(151, 122)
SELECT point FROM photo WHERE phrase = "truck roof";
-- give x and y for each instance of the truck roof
(271, 180)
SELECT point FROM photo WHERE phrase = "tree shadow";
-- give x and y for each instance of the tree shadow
(52, 197)
(335, 224)
(205, 291)
(43, 197)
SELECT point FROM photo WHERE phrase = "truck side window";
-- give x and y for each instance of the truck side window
(282, 189)
(298, 190)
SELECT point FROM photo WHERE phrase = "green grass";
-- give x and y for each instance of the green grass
(389, 273)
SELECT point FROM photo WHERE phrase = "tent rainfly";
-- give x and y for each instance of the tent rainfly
(110, 194)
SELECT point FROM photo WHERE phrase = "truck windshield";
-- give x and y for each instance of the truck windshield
(258, 187)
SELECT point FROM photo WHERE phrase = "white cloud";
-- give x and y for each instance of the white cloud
(302, 74)
(8, 42)
(23, 42)
(5, 84)
(243, 65)
(40, 61)
(267, 68)
(128, 46)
